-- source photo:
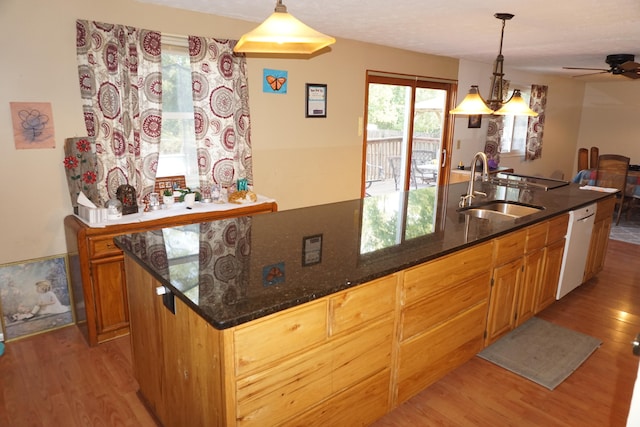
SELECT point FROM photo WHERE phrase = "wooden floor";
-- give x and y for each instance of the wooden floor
(54, 379)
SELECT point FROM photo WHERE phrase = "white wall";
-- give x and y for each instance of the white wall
(611, 117)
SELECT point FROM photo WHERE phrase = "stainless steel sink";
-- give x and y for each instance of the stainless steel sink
(501, 210)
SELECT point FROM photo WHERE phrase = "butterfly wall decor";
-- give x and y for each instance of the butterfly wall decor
(275, 81)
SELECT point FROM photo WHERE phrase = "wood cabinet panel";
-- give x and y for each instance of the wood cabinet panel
(552, 265)
(425, 358)
(103, 246)
(557, 228)
(502, 303)
(599, 238)
(272, 338)
(536, 237)
(509, 247)
(530, 286)
(112, 313)
(438, 308)
(428, 279)
(361, 304)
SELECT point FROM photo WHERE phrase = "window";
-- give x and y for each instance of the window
(514, 135)
(178, 155)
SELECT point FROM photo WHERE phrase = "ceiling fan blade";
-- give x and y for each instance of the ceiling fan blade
(629, 66)
(582, 68)
(591, 74)
(633, 74)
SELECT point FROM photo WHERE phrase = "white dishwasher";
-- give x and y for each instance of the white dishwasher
(576, 249)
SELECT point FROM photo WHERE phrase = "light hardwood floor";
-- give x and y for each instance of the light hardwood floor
(54, 379)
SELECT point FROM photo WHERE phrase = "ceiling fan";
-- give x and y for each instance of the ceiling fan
(620, 64)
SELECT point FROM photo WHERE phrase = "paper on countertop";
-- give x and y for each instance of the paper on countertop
(84, 201)
(595, 188)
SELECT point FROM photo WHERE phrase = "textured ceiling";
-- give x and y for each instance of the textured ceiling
(544, 35)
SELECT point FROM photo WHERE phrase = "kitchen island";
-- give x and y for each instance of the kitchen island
(334, 314)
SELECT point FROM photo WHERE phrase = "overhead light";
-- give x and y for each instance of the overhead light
(474, 104)
(282, 33)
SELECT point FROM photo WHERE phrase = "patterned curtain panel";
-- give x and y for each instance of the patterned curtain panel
(221, 109)
(225, 249)
(119, 68)
(495, 129)
(535, 127)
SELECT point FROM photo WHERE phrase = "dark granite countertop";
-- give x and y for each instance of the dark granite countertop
(236, 270)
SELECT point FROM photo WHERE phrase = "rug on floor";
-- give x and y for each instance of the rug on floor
(628, 230)
(541, 351)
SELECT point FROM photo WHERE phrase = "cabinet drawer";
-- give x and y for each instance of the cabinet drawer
(557, 228)
(362, 304)
(509, 247)
(435, 309)
(536, 237)
(435, 276)
(103, 246)
(279, 335)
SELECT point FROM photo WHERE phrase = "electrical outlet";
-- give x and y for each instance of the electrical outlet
(1, 337)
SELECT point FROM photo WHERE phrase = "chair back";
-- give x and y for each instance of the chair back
(612, 171)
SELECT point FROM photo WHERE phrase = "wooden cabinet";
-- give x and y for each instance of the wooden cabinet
(599, 237)
(526, 270)
(442, 322)
(325, 362)
(553, 253)
(97, 268)
(506, 276)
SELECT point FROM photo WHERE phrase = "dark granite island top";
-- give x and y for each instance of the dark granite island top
(236, 270)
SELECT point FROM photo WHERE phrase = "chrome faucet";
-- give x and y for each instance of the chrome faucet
(465, 200)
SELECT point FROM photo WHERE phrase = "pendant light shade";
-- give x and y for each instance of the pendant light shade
(283, 33)
(516, 106)
(472, 104)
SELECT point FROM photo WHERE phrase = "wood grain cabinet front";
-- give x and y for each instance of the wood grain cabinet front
(599, 237)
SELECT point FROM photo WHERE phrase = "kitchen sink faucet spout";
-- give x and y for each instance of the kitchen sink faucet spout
(465, 200)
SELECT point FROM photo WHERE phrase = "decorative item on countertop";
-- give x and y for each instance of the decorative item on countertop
(241, 184)
(154, 201)
(80, 164)
(114, 209)
(167, 198)
(216, 193)
(127, 196)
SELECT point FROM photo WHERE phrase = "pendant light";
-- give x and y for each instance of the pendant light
(474, 104)
(282, 33)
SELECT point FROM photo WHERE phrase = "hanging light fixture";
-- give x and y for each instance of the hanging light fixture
(473, 103)
(282, 33)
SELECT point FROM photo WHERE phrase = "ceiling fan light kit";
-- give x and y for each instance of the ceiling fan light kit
(474, 104)
(283, 33)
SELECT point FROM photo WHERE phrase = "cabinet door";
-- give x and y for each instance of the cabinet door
(502, 304)
(531, 282)
(109, 288)
(551, 275)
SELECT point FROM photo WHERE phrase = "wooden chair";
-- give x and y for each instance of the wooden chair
(612, 173)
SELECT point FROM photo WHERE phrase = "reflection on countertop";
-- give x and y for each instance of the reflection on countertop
(236, 270)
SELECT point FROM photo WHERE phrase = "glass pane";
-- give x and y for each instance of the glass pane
(388, 114)
(178, 146)
(428, 125)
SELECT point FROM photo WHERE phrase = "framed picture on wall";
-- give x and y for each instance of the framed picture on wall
(316, 97)
(35, 296)
(475, 121)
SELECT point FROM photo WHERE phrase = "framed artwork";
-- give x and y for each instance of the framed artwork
(475, 121)
(274, 81)
(35, 297)
(316, 100)
(32, 125)
(311, 250)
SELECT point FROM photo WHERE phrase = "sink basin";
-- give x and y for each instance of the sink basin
(501, 210)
